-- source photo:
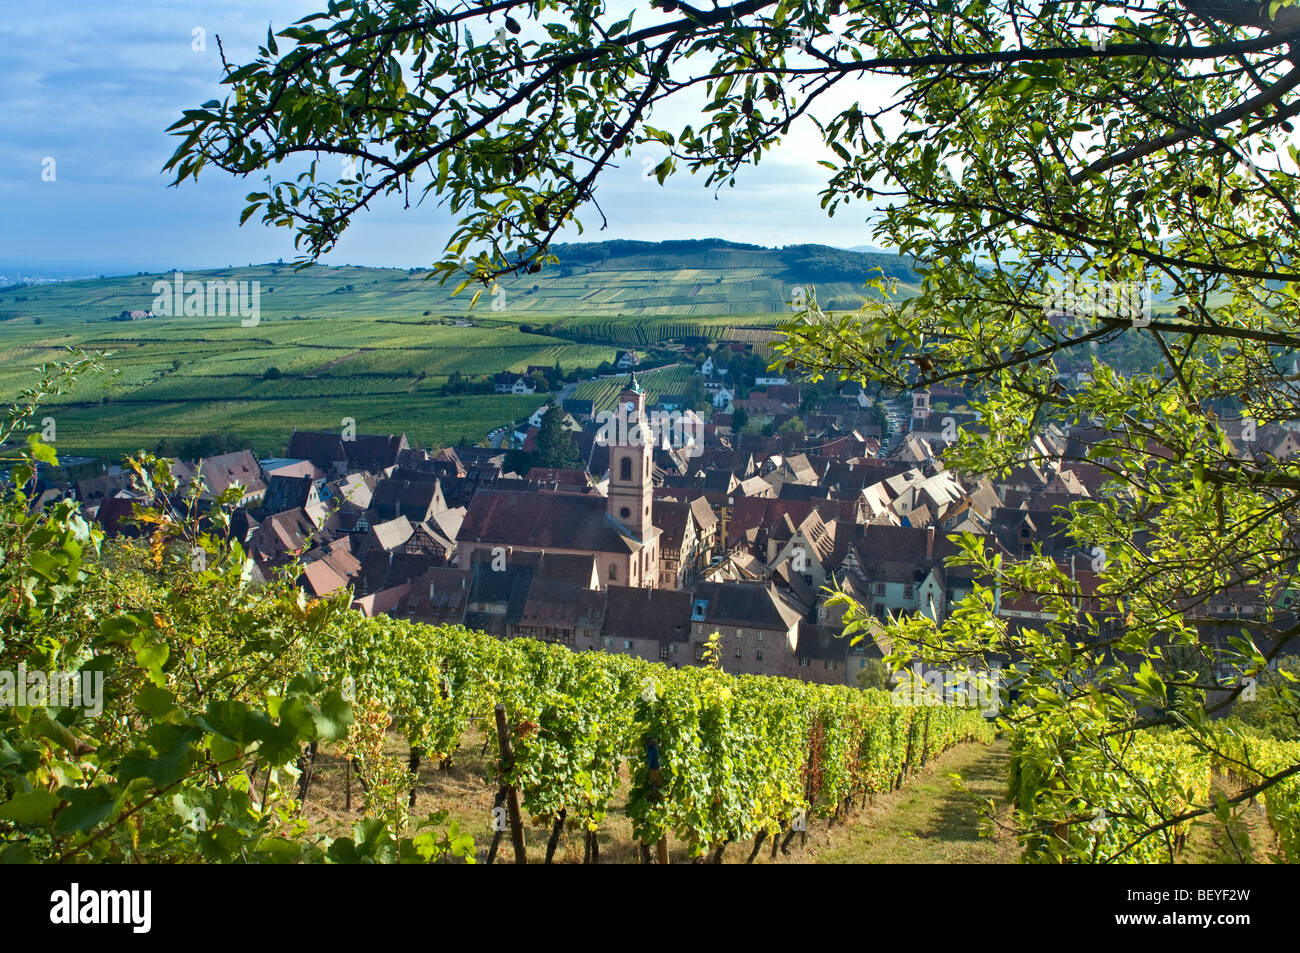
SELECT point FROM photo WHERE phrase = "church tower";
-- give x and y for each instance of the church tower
(630, 464)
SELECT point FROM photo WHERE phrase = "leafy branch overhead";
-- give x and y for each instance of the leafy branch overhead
(1135, 156)
(510, 112)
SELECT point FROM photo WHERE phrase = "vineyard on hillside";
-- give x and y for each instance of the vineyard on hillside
(647, 331)
(603, 392)
(715, 759)
(1250, 757)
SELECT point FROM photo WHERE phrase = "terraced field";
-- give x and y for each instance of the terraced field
(378, 344)
(603, 392)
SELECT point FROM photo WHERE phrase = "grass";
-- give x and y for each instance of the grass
(125, 426)
(377, 344)
(1245, 837)
(379, 353)
(934, 818)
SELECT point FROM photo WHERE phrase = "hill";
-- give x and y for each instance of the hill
(382, 345)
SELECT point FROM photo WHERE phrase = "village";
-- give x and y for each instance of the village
(649, 545)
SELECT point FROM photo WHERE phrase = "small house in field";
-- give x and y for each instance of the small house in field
(513, 384)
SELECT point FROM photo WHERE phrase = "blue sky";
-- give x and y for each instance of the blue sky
(93, 84)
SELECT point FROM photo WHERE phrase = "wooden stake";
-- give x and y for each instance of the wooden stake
(306, 764)
(497, 803)
(555, 834)
(512, 793)
(414, 766)
(652, 762)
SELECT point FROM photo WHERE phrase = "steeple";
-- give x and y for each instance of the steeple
(630, 463)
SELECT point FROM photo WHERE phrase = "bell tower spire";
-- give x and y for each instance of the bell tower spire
(630, 463)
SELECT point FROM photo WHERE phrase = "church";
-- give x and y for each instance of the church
(616, 529)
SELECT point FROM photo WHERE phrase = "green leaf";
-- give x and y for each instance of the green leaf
(87, 808)
(33, 807)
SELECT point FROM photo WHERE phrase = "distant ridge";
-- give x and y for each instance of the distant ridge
(608, 279)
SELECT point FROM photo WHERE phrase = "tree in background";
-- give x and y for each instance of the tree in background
(555, 445)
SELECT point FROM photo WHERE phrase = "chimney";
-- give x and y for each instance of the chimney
(929, 542)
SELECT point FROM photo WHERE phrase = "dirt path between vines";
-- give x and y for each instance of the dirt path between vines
(936, 818)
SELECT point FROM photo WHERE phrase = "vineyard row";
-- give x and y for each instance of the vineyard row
(714, 759)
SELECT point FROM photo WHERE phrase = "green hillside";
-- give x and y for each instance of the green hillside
(380, 344)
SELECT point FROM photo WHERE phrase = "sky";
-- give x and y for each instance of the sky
(90, 87)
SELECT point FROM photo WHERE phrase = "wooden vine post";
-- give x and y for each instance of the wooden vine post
(907, 758)
(656, 778)
(413, 765)
(512, 793)
(306, 764)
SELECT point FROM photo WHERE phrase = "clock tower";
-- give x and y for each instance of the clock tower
(630, 464)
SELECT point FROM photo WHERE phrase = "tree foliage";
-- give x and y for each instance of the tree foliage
(1052, 168)
(197, 690)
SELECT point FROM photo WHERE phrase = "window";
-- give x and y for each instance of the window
(613, 571)
(907, 592)
(880, 588)
(760, 636)
(832, 666)
(758, 656)
(803, 661)
(607, 642)
(737, 653)
(624, 512)
(625, 468)
(663, 651)
(627, 644)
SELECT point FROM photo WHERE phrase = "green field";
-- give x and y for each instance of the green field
(378, 344)
(603, 393)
